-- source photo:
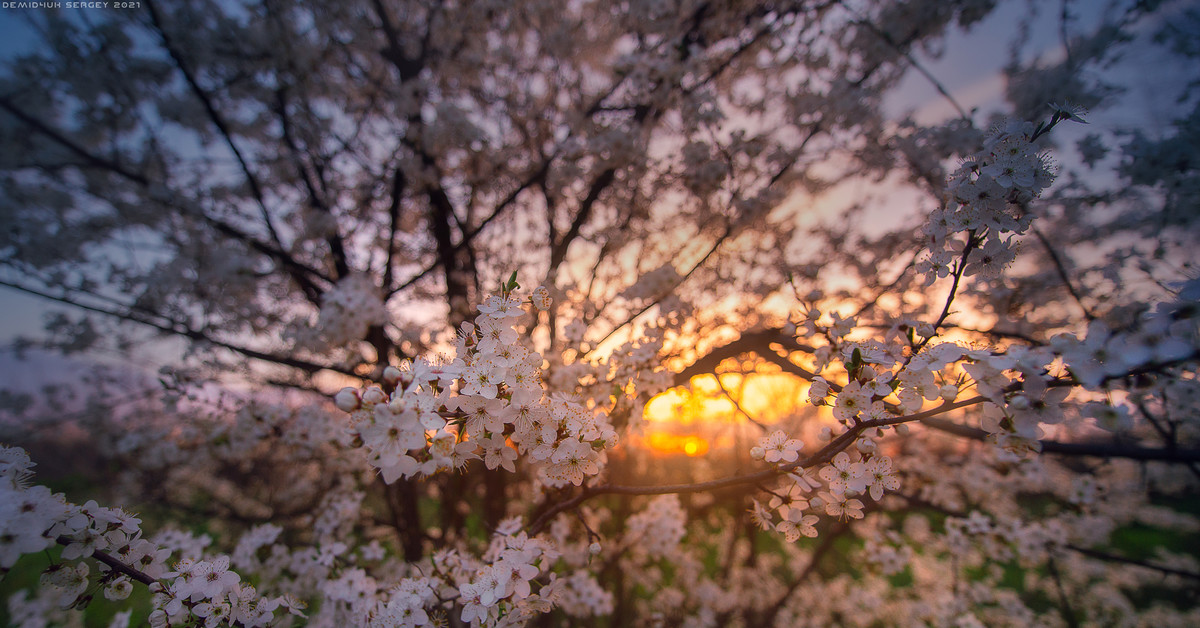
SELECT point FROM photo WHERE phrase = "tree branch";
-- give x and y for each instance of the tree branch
(1062, 272)
(758, 342)
(115, 564)
(1097, 554)
(215, 117)
(180, 329)
(1098, 450)
(558, 251)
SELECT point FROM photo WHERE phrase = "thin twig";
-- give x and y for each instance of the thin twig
(1062, 272)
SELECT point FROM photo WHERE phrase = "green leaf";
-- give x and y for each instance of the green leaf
(856, 363)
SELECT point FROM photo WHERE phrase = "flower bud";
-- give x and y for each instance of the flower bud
(373, 396)
(391, 375)
(346, 400)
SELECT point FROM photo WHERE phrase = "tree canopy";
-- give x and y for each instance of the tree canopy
(413, 270)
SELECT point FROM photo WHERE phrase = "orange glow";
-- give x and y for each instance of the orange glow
(711, 414)
(667, 444)
(767, 397)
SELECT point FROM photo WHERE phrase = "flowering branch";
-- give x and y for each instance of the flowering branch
(107, 559)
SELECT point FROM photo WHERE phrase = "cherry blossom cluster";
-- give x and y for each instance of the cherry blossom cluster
(438, 415)
(1001, 539)
(348, 309)
(959, 563)
(884, 384)
(30, 515)
(1029, 387)
(620, 383)
(513, 580)
(659, 528)
(845, 480)
(208, 590)
(987, 197)
(1162, 336)
(888, 552)
(504, 587)
(1022, 387)
(1025, 387)
(187, 447)
(516, 578)
(32, 520)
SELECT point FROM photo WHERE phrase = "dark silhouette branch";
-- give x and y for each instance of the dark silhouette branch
(1106, 556)
(180, 329)
(558, 251)
(217, 120)
(758, 342)
(297, 271)
(1098, 450)
(89, 158)
(1061, 269)
(337, 247)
